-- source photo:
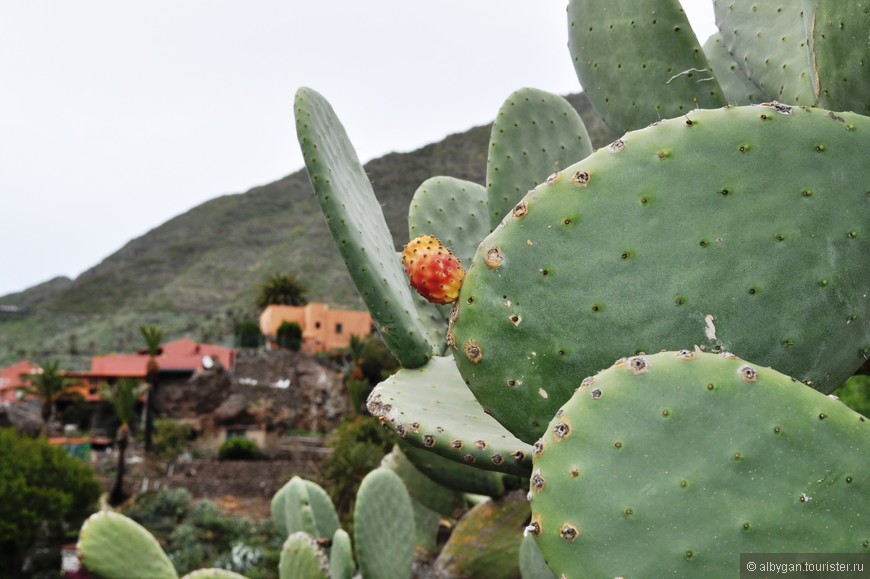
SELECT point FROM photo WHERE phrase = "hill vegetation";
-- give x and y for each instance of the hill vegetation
(197, 274)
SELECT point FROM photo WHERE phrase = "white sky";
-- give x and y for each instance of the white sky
(117, 116)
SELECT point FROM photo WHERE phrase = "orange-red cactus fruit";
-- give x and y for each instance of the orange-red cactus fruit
(433, 270)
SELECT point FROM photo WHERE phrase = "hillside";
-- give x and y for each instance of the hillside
(196, 274)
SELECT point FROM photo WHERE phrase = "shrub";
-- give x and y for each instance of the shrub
(289, 336)
(248, 334)
(855, 394)
(171, 438)
(45, 493)
(238, 448)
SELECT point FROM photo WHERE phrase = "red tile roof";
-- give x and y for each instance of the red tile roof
(10, 379)
(183, 355)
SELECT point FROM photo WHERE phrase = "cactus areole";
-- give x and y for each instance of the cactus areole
(432, 269)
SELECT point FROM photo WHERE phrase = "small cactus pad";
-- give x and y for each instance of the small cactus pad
(532, 563)
(212, 573)
(738, 89)
(486, 540)
(461, 477)
(535, 134)
(302, 558)
(111, 545)
(639, 61)
(673, 464)
(384, 527)
(742, 229)
(430, 407)
(357, 223)
(454, 211)
(303, 505)
(341, 564)
(432, 269)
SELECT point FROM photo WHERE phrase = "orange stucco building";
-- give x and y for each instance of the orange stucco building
(323, 328)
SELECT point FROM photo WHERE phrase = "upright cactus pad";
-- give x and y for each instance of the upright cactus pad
(738, 88)
(673, 464)
(357, 223)
(384, 527)
(639, 61)
(535, 134)
(113, 546)
(302, 558)
(303, 505)
(742, 229)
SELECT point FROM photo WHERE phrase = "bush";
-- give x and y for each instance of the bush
(289, 336)
(238, 448)
(248, 334)
(45, 494)
(855, 394)
(171, 438)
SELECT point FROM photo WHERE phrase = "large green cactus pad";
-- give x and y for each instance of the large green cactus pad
(671, 465)
(534, 134)
(639, 61)
(430, 407)
(357, 223)
(741, 229)
(113, 546)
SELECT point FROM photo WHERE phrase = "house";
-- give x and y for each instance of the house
(10, 379)
(323, 328)
(177, 361)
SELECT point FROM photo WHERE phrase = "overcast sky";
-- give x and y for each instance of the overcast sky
(117, 116)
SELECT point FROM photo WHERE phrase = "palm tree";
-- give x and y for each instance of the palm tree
(48, 384)
(281, 289)
(153, 337)
(123, 397)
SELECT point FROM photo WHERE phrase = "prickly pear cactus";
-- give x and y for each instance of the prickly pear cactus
(673, 464)
(302, 558)
(111, 545)
(741, 229)
(303, 505)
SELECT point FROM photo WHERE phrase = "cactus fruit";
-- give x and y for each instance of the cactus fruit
(432, 269)
(110, 545)
(672, 464)
(302, 558)
(431, 408)
(647, 245)
(384, 527)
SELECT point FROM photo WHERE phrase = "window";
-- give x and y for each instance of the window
(317, 325)
(338, 328)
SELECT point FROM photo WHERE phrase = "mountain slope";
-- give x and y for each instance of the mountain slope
(197, 273)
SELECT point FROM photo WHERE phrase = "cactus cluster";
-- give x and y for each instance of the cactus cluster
(645, 335)
(731, 216)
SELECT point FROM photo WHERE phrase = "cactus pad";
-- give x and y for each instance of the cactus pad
(302, 558)
(110, 545)
(430, 407)
(384, 530)
(673, 464)
(303, 505)
(534, 134)
(639, 61)
(742, 229)
(357, 223)
(738, 89)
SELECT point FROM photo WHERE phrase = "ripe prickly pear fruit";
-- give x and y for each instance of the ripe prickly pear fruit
(433, 270)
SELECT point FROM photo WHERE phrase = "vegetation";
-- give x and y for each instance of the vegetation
(290, 336)
(171, 438)
(248, 334)
(49, 385)
(238, 448)
(46, 494)
(197, 535)
(123, 397)
(153, 337)
(281, 289)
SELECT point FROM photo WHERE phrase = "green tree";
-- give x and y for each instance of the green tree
(49, 385)
(123, 397)
(281, 289)
(45, 493)
(153, 337)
